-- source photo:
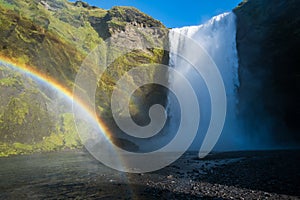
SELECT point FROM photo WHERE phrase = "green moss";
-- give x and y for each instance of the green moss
(52, 143)
(66, 139)
(23, 147)
(16, 111)
(9, 82)
(5, 4)
(121, 65)
(55, 43)
(69, 131)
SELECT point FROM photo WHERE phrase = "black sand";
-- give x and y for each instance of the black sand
(76, 175)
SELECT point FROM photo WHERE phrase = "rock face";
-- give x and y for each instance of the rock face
(268, 42)
(54, 37)
(118, 18)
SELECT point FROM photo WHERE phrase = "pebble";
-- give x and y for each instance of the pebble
(170, 177)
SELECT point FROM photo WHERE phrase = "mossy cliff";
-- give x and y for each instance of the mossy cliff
(54, 37)
(268, 42)
(29, 119)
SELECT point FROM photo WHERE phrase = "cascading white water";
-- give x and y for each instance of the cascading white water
(218, 38)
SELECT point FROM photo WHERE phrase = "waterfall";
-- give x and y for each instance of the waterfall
(218, 38)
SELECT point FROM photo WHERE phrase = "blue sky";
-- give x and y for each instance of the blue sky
(174, 13)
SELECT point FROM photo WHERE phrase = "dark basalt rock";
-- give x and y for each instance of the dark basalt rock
(268, 42)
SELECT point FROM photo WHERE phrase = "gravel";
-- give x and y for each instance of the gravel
(228, 175)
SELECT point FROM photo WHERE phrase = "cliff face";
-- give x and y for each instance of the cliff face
(268, 42)
(116, 19)
(54, 37)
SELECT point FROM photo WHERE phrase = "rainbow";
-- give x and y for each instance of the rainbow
(54, 84)
(35, 74)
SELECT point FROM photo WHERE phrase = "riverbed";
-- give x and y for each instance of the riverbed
(221, 175)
